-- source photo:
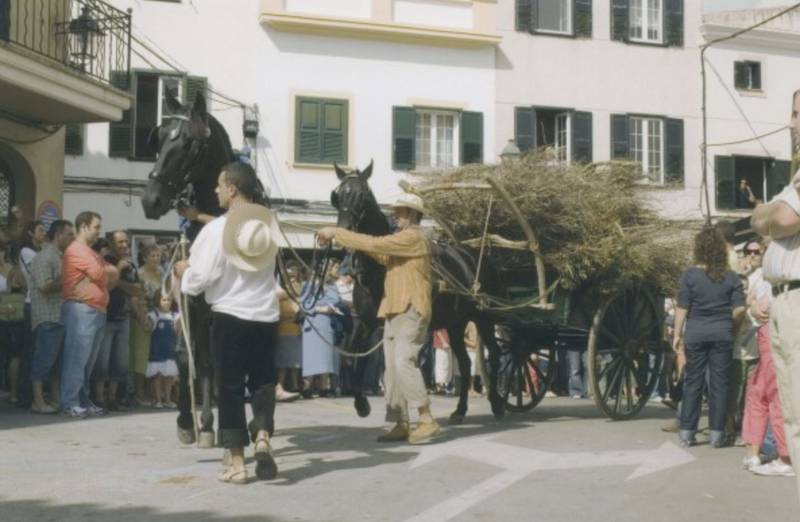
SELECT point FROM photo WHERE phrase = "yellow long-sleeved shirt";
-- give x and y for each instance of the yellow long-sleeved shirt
(408, 268)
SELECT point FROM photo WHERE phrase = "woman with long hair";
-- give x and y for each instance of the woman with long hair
(710, 302)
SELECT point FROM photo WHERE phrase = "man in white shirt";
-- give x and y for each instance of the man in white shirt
(232, 261)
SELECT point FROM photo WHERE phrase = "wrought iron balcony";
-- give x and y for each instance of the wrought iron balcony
(88, 36)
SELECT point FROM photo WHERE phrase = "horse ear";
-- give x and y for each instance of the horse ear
(172, 102)
(367, 172)
(199, 108)
(339, 172)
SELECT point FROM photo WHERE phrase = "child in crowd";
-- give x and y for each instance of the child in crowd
(161, 365)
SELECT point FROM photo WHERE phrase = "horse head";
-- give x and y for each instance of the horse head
(357, 206)
(181, 144)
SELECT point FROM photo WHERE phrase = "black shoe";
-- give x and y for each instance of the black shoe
(306, 394)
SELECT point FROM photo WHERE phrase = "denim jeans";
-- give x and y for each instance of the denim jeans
(578, 372)
(24, 389)
(113, 359)
(49, 345)
(714, 357)
(84, 333)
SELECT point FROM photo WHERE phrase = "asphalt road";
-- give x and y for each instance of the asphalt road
(561, 462)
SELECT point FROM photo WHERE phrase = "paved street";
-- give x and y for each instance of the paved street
(562, 462)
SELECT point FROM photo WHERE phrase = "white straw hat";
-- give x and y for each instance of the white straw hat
(251, 237)
(409, 201)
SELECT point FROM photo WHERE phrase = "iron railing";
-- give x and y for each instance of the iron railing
(88, 36)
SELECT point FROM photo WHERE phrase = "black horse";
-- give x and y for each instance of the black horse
(192, 149)
(454, 270)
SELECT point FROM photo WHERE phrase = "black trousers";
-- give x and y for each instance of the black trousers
(714, 357)
(244, 357)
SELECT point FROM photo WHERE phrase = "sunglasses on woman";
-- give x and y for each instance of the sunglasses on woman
(749, 252)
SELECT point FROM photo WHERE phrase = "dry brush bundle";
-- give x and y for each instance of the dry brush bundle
(595, 225)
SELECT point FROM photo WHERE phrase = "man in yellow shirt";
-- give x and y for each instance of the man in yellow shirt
(406, 306)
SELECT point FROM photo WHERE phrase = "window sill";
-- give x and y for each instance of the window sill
(752, 93)
(327, 167)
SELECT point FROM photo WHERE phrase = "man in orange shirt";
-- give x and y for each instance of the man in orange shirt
(86, 280)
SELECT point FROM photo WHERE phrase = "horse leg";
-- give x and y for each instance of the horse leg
(486, 331)
(185, 418)
(456, 334)
(360, 337)
(206, 372)
(207, 414)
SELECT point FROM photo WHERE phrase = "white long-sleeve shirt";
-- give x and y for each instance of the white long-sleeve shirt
(229, 290)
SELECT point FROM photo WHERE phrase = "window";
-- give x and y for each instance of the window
(737, 177)
(564, 134)
(128, 137)
(553, 16)
(6, 192)
(655, 142)
(747, 76)
(73, 139)
(321, 131)
(562, 17)
(435, 138)
(646, 22)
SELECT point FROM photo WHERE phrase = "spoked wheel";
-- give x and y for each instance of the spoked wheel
(625, 352)
(523, 376)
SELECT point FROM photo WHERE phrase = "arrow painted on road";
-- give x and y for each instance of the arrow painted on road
(518, 463)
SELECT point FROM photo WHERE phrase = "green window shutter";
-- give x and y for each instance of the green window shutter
(120, 133)
(779, 175)
(525, 128)
(308, 133)
(620, 137)
(739, 75)
(582, 137)
(675, 156)
(673, 22)
(582, 18)
(193, 85)
(471, 137)
(726, 197)
(334, 131)
(73, 139)
(524, 15)
(404, 138)
(5, 19)
(619, 20)
(756, 69)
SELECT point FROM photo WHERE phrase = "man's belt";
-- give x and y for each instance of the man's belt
(785, 287)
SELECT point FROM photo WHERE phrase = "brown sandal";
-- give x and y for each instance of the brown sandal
(236, 476)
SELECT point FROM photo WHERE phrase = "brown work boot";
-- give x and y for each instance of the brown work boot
(672, 427)
(396, 434)
(423, 433)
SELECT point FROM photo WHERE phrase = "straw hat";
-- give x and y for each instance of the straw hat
(411, 201)
(251, 237)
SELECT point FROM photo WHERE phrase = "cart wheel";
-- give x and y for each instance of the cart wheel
(625, 352)
(523, 376)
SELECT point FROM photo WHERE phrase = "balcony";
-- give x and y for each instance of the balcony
(58, 58)
(449, 23)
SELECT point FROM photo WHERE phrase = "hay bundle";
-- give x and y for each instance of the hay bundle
(595, 225)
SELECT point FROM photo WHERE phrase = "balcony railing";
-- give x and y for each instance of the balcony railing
(88, 36)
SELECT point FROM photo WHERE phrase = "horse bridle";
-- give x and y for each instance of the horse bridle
(196, 154)
(360, 217)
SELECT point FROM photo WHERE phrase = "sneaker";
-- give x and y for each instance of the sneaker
(577, 397)
(95, 411)
(672, 427)
(776, 468)
(749, 463)
(686, 443)
(159, 405)
(76, 412)
(423, 433)
(44, 408)
(550, 395)
(287, 397)
(657, 398)
(170, 405)
(396, 434)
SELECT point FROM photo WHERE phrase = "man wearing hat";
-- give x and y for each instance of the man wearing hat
(232, 261)
(406, 306)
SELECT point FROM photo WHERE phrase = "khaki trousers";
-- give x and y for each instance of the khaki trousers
(403, 338)
(785, 333)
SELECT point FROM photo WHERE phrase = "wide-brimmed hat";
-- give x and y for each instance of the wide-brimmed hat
(251, 237)
(411, 201)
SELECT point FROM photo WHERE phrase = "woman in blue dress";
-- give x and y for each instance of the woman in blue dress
(320, 359)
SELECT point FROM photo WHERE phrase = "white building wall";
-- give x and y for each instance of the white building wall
(260, 65)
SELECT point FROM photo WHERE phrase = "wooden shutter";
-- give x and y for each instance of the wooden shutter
(620, 137)
(525, 128)
(726, 196)
(120, 133)
(471, 137)
(582, 137)
(755, 68)
(739, 75)
(619, 20)
(308, 131)
(193, 85)
(334, 131)
(582, 17)
(404, 138)
(779, 175)
(673, 22)
(524, 15)
(5, 19)
(675, 155)
(73, 139)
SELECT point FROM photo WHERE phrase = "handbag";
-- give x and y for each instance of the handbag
(12, 308)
